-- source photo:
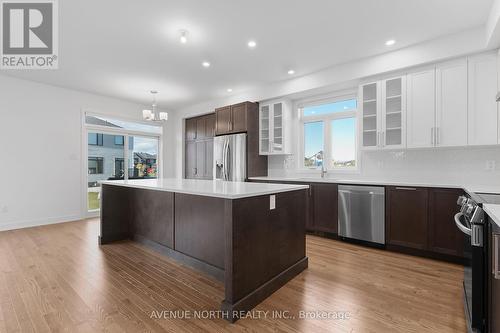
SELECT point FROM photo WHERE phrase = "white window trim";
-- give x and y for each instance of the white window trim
(86, 128)
(327, 120)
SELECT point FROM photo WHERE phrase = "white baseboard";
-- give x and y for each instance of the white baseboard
(35, 223)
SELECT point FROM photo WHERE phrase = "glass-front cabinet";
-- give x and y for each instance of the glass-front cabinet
(274, 128)
(383, 121)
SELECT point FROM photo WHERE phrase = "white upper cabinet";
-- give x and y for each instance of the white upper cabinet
(383, 113)
(448, 104)
(483, 114)
(451, 104)
(393, 120)
(370, 115)
(275, 128)
(421, 107)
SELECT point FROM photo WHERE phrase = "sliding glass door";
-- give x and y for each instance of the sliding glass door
(143, 157)
(118, 150)
(105, 161)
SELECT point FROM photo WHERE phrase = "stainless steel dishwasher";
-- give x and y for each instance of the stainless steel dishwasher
(362, 213)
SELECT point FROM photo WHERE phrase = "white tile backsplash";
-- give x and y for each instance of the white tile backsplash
(477, 165)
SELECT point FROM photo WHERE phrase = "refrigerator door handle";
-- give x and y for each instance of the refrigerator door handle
(228, 161)
(224, 159)
(496, 272)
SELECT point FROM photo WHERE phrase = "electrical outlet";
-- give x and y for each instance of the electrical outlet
(272, 202)
(490, 165)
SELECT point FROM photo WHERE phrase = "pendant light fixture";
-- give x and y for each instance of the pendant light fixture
(154, 114)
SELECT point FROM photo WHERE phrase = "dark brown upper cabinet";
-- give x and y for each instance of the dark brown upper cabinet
(202, 127)
(210, 125)
(239, 117)
(191, 127)
(199, 147)
(444, 236)
(407, 216)
(223, 120)
(234, 118)
(201, 124)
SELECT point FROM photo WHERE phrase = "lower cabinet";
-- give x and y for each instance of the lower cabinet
(190, 171)
(418, 219)
(406, 216)
(323, 208)
(444, 237)
(422, 219)
(152, 213)
(199, 159)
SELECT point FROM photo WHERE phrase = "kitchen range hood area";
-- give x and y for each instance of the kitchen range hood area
(200, 166)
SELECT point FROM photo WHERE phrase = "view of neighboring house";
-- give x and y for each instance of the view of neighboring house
(315, 160)
(106, 156)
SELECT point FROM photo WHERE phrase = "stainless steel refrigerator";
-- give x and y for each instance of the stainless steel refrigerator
(230, 157)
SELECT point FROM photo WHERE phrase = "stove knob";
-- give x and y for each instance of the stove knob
(469, 209)
(461, 200)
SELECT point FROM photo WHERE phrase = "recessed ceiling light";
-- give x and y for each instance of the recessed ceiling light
(252, 44)
(390, 42)
(229, 90)
(291, 72)
(205, 64)
(183, 38)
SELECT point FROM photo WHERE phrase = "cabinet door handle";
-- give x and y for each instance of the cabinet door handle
(406, 188)
(432, 136)
(383, 139)
(438, 139)
(378, 139)
(195, 171)
(496, 273)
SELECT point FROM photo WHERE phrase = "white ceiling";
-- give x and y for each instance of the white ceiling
(126, 48)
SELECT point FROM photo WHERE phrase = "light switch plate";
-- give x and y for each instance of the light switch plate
(272, 202)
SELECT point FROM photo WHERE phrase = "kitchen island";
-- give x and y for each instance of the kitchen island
(249, 236)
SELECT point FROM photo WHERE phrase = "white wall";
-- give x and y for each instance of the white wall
(41, 150)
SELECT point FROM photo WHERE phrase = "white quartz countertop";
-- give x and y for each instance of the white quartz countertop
(209, 188)
(493, 212)
(474, 188)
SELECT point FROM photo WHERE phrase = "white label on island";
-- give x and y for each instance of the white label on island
(272, 202)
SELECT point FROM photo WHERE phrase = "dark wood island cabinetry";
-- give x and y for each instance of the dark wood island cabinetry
(250, 236)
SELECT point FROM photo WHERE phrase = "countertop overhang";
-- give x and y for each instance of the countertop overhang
(493, 212)
(470, 188)
(210, 188)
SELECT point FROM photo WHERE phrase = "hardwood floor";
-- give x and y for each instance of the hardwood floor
(56, 278)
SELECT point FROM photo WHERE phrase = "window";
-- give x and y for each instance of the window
(119, 140)
(116, 124)
(95, 139)
(96, 165)
(313, 144)
(321, 109)
(343, 143)
(119, 168)
(143, 154)
(127, 149)
(330, 135)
